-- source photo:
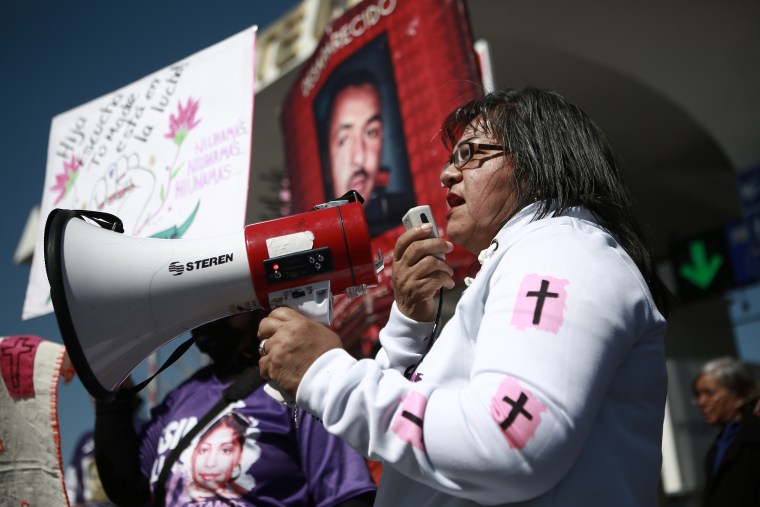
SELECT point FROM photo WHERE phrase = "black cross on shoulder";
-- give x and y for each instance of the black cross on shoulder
(541, 296)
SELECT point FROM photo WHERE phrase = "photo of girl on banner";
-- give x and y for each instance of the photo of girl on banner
(360, 136)
(364, 113)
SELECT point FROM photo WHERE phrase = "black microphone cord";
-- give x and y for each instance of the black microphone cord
(437, 324)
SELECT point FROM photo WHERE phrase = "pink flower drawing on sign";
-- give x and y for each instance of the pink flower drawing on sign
(181, 124)
(179, 128)
(66, 179)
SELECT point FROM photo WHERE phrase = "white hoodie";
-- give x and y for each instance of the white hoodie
(546, 388)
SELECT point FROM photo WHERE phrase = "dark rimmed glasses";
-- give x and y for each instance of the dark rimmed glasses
(465, 150)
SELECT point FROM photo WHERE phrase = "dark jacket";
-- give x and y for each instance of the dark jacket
(737, 480)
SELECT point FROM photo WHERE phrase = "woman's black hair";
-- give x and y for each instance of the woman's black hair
(560, 156)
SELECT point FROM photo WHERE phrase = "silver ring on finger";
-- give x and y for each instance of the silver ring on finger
(262, 347)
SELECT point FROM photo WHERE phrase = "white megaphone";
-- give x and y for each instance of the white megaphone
(119, 298)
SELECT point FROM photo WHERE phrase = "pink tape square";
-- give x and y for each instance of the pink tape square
(540, 303)
(517, 411)
(408, 422)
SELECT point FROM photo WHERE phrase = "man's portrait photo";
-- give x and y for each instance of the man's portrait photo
(361, 138)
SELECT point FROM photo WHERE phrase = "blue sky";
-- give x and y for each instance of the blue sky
(56, 55)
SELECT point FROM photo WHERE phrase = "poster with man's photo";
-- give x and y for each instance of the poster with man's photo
(364, 114)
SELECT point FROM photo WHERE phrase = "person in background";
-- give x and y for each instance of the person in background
(83, 485)
(282, 457)
(728, 398)
(547, 386)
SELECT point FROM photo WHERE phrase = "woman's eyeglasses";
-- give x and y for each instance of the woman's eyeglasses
(464, 152)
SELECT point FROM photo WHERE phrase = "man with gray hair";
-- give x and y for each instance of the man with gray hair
(727, 395)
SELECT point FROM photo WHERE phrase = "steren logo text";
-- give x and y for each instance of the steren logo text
(177, 268)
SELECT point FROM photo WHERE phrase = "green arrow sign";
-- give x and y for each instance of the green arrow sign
(700, 271)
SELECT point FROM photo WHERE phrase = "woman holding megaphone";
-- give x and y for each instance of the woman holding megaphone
(547, 386)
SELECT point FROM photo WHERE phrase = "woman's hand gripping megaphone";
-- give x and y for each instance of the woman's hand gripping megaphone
(291, 344)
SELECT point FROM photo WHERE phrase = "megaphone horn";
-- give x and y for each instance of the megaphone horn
(119, 298)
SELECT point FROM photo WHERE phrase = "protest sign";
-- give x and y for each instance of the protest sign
(168, 154)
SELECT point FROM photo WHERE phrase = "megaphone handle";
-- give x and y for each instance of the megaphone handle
(272, 390)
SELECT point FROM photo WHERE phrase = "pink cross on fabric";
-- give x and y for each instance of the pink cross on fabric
(17, 364)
